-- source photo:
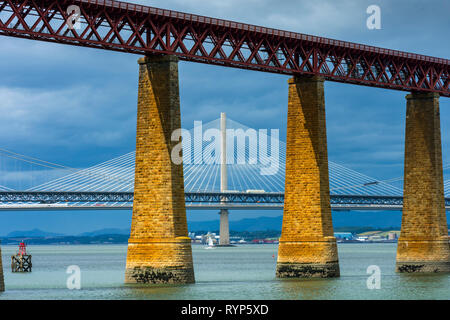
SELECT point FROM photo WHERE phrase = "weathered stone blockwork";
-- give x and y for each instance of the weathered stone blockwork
(159, 250)
(423, 245)
(307, 246)
(2, 281)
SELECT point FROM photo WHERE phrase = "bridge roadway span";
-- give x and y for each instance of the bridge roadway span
(52, 200)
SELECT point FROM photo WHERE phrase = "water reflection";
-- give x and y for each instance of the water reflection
(243, 272)
(155, 292)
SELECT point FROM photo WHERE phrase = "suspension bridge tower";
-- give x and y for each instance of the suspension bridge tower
(224, 239)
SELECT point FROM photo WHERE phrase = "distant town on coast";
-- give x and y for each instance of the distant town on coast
(382, 227)
(359, 234)
(118, 236)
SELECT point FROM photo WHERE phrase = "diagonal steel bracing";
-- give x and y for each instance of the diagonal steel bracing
(122, 26)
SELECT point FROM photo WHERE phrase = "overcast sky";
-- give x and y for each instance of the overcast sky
(77, 106)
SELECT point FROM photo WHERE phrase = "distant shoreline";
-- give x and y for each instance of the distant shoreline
(15, 244)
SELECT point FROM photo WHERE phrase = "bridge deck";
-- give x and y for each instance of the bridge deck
(48, 200)
(122, 26)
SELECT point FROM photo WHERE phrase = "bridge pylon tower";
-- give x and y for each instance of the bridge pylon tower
(307, 246)
(224, 239)
(423, 245)
(159, 249)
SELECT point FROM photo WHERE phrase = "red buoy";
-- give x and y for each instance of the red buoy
(22, 249)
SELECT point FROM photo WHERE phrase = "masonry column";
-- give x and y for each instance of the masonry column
(307, 246)
(2, 281)
(159, 250)
(423, 245)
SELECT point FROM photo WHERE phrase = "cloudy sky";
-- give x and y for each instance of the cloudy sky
(77, 106)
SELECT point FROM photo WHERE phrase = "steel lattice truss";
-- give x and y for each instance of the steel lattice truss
(210, 198)
(121, 26)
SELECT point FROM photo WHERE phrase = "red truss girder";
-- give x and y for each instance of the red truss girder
(121, 26)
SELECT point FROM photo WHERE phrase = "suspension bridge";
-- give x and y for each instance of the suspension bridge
(159, 250)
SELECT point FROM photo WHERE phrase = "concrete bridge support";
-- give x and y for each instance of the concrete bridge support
(423, 245)
(224, 239)
(159, 250)
(224, 228)
(307, 246)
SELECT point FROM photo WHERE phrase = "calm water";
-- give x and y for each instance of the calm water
(244, 272)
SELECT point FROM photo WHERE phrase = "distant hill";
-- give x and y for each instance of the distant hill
(348, 219)
(256, 224)
(373, 219)
(125, 231)
(35, 233)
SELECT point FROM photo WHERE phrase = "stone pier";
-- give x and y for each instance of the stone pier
(423, 245)
(307, 246)
(159, 250)
(2, 280)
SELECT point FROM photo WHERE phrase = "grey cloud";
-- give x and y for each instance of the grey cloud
(44, 109)
(77, 106)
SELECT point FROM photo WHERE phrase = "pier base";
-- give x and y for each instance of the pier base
(159, 249)
(21, 263)
(308, 270)
(307, 246)
(423, 245)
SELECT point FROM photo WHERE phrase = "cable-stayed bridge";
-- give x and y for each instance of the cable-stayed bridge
(110, 185)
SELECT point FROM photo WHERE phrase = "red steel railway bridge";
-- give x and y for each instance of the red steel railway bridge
(159, 249)
(126, 27)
